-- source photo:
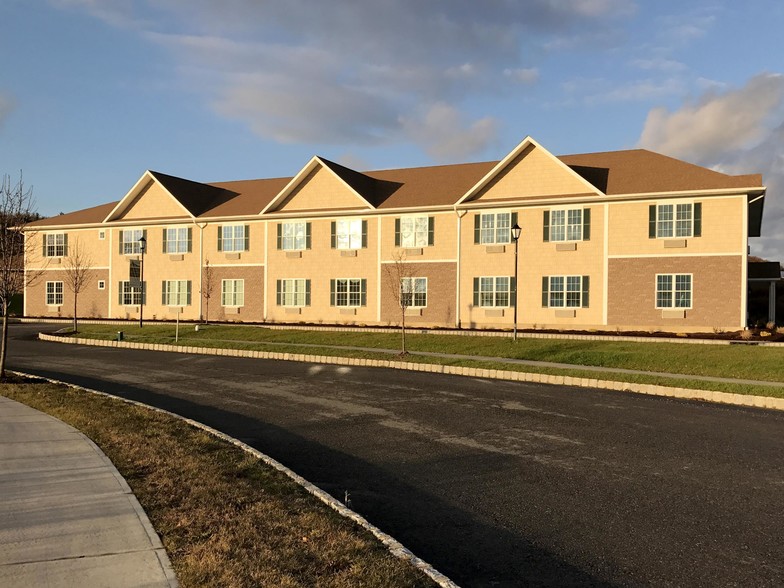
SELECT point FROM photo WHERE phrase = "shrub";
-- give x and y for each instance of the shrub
(746, 334)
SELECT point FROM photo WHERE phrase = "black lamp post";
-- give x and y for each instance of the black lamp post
(516, 230)
(142, 247)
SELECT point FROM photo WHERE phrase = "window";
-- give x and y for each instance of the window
(673, 290)
(677, 220)
(414, 231)
(131, 294)
(494, 228)
(101, 235)
(293, 292)
(176, 293)
(233, 238)
(101, 284)
(349, 234)
(233, 292)
(56, 245)
(568, 224)
(294, 236)
(494, 291)
(54, 293)
(177, 240)
(413, 292)
(348, 292)
(129, 241)
(565, 291)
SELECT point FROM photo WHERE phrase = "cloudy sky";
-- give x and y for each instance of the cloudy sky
(93, 92)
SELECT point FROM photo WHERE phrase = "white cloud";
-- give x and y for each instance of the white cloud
(739, 131)
(525, 75)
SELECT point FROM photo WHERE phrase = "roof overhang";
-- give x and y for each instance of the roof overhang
(127, 200)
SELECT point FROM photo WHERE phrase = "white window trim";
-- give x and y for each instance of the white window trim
(55, 293)
(672, 298)
(674, 204)
(233, 238)
(135, 242)
(234, 292)
(495, 292)
(565, 291)
(55, 246)
(348, 292)
(166, 243)
(296, 293)
(304, 236)
(337, 233)
(132, 293)
(101, 235)
(101, 284)
(412, 278)
(495, 229)
(413, 218)
(179, 293)
(566, 210)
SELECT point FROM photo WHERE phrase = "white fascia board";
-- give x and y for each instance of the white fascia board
(123, 204)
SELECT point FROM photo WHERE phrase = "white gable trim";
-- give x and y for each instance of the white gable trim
(501, 165)
(125, 203)
(297, 180)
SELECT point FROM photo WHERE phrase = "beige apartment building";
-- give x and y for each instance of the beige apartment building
(630, 240)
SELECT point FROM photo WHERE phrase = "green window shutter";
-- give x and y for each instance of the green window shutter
(280, 236)
(431, 230)
(246, 245)
(163, 242)
(364, 233)
(512, 291)
(279, 292)
(43, 241)
(652, 221)
(477, 228)
(307, 292)
(363, 292)
(188, 286)
(163, 293)
(332, 292)
(65, 244)
(333, 234)
(397, 232)
(586, 224)
(513, 220)
(545, 291)
(307, 235)
(586, 288)
(220, 238)
(190, 240)
(476, 291)
(144, 234)
(119, 293)
(120, 240)
(546, 227)
(698, 219)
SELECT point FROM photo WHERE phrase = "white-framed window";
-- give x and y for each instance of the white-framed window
(349, 292)
(129, 241)
(349, 234)
(101, 284)
(493, 291)
(131, 294)
(55, 245)
(494, 227)
(294, 236)
(565, 291)
(177, 240)
(233, 292)
(567, 224)
(414, 231)
(101, 235)
(675, 220)
(232, 238)
(673, 290)
(176, 293)
(293, 292)
(413, 292)
(54, 293)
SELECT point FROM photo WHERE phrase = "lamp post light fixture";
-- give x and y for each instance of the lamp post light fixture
(516, 230)
(142, 247)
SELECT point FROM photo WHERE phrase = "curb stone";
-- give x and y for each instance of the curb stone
(393, 545)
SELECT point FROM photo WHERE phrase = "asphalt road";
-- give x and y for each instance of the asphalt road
(495, 483)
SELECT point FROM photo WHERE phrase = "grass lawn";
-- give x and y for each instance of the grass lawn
(726, 361)
(225, 518)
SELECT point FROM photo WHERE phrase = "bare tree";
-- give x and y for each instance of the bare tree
(77, 274)
(402, 286)
(208, 288)
(16, 210)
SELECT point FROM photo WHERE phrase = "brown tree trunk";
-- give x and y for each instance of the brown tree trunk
(74, 317)
(4, 344)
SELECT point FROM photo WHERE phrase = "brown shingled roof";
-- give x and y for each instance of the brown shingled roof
(251, 196)
(86, 216)
(194, 196)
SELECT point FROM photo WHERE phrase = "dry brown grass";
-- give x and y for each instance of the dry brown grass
(225, 518)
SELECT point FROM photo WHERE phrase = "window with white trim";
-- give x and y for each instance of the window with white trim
(294, 236)
(294, 292)
(675, 220)
(413, 292)
(673, 290)
(176, 293)
(567, 224)
(413, 232)
(348, 292)
(349, 234)
(233, 238)
(233, 292)
(55, 245)
(565, 291)
(495, 227)
(101, 235)
(101, 284)
(54, 293)
(177, 240)
(129, 241)
(494, 291)
(131, 294)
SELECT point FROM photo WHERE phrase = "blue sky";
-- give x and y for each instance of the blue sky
(93, 92)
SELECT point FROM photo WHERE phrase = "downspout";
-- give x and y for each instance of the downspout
(201, 226)
(460, 214)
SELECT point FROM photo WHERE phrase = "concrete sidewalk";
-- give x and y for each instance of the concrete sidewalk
(67, 517)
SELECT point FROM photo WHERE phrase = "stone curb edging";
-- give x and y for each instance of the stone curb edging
(393, 545)
(456, 332)
(493, 374)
